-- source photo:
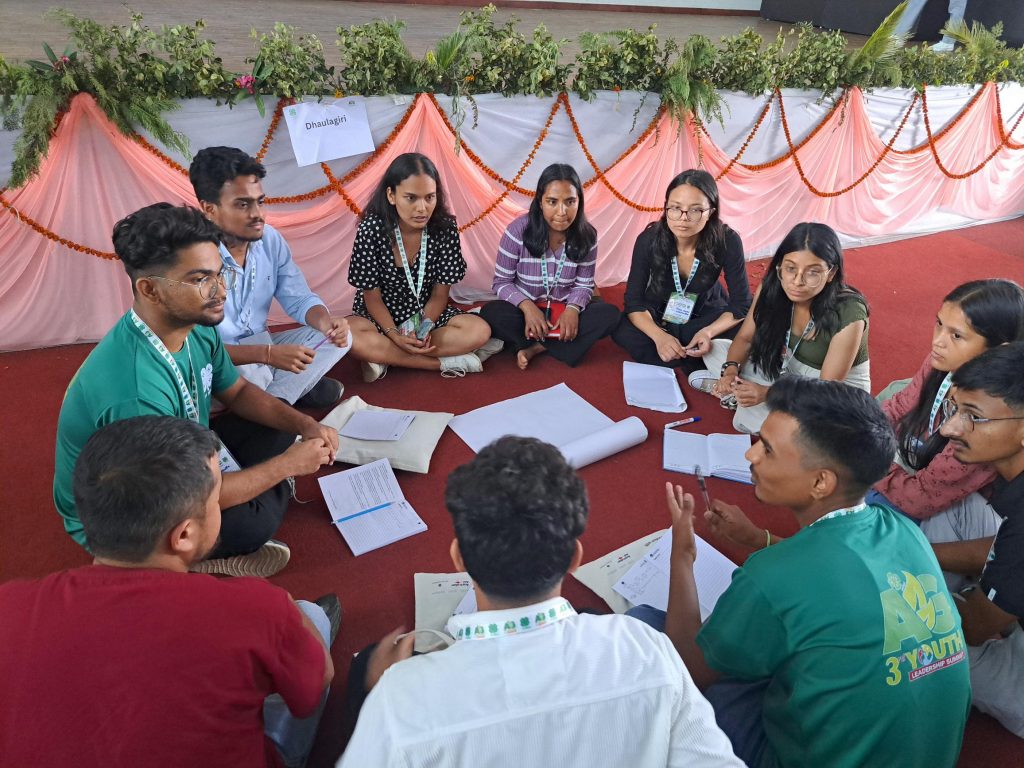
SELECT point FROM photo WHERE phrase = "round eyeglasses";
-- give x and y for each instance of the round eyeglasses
(812, 276)
(207, 286)
(969, 420)
(695, 213)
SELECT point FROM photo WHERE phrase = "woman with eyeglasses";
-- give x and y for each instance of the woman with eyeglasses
(674, 303)
(544, 276)
(926, 478)
(805, 321)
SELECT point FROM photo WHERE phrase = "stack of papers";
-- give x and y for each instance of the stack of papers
(603, 574)
(646, 583)
(368, 507)
(653, 387)
(718, 455)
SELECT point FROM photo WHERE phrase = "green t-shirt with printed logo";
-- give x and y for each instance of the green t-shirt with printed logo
(851, 622)
(124, 376)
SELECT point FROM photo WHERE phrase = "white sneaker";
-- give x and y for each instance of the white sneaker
(944, 46)
(492, 347)
(373, 371)
(703, 381)
(457, 366)
(264, 562)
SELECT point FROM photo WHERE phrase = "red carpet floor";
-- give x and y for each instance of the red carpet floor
(904, 283)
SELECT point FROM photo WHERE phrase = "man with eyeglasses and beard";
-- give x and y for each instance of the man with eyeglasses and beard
(164, 357)
(981, 550)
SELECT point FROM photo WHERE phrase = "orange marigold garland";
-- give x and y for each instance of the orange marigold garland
(513, 184)
(274, 122)
(52, 235)
(746, 143)
(935, 151)
(599, 174)
(800, 170)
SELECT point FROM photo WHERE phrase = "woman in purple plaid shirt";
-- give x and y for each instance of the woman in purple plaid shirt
(544, 276)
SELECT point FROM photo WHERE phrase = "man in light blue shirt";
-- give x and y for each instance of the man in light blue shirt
(288, 364)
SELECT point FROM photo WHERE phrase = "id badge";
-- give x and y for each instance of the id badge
(408, 328)
(227, 462)
(679, 308)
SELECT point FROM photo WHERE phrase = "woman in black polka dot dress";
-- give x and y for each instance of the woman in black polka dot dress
(405, 259)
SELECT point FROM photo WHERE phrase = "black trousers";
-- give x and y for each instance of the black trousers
(508, 323)
(643, 350)
(246, 527)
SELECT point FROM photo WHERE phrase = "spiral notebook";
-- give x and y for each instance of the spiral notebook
(718, 455)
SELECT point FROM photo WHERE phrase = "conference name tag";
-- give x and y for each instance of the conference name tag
(328, 130)
(228, 463)
(679, 308)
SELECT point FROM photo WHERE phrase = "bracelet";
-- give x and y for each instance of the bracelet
(767, 538)
(727, 364)
(389, 330)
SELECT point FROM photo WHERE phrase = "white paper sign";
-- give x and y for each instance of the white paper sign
(328, 130)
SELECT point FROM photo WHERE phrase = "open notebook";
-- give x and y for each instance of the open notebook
(718, 454)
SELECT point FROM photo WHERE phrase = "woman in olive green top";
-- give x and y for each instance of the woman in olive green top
(805, 321)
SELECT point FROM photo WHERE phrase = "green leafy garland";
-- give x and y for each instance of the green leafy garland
(135, 73)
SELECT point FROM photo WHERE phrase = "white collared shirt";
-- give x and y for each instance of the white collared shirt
(539, 686)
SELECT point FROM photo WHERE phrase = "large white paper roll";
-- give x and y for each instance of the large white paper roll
(604, 443)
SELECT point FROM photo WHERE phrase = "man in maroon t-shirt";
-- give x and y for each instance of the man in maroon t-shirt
(134, 661)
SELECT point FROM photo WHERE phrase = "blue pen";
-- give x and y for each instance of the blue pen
(324, 341)
(364, 512)
(691, 420)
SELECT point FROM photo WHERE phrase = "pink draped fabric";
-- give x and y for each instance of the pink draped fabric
(52, 294)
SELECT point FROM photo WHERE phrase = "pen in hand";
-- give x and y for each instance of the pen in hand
(703, 486)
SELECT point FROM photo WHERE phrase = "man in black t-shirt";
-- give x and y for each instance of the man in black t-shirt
(984, 421)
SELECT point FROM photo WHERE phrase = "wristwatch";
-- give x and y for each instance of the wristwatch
(727, 364)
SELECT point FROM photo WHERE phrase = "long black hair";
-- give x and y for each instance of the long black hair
(710, 240)
(581, 235)
(401, 168)
(773, 313)
(995, 310)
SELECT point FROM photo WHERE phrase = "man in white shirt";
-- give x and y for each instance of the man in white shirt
(287, 364)
(529, 682)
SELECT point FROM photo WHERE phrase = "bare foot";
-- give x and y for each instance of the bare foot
(524, 356)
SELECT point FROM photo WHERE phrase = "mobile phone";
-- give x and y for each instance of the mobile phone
(424, 329)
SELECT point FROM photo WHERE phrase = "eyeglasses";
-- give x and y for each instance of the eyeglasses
(969, 420)
(696, 213)
(812, 277)
(207, 286)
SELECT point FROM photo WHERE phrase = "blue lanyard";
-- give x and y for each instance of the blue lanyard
(939, 397)
(244, 302)
(808, 330)
(186, 395)
(558, 272)
(416, 288)
(675, 274)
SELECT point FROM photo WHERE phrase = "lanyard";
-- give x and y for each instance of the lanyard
(421, 272)
(244, 302)
(808, 330)
(515, 621)
(186, 394)
(675, 274)
(842, 512)
(939, 397)
(558, 272)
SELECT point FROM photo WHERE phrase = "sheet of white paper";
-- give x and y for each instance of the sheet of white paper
(727, 456)
(326, 130)
(438, 597)
(685, 451)
(556, 415)
(467, 604)
(368, 508)
(601, 574)
(287, 385)
(607, 442)
(652, 387)
(647, 582)
(377, 425)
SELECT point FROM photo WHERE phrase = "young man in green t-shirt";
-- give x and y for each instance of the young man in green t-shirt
(165, 358)
(839, 646)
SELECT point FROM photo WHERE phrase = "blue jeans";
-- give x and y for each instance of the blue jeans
(738, 704)
(294, 736)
